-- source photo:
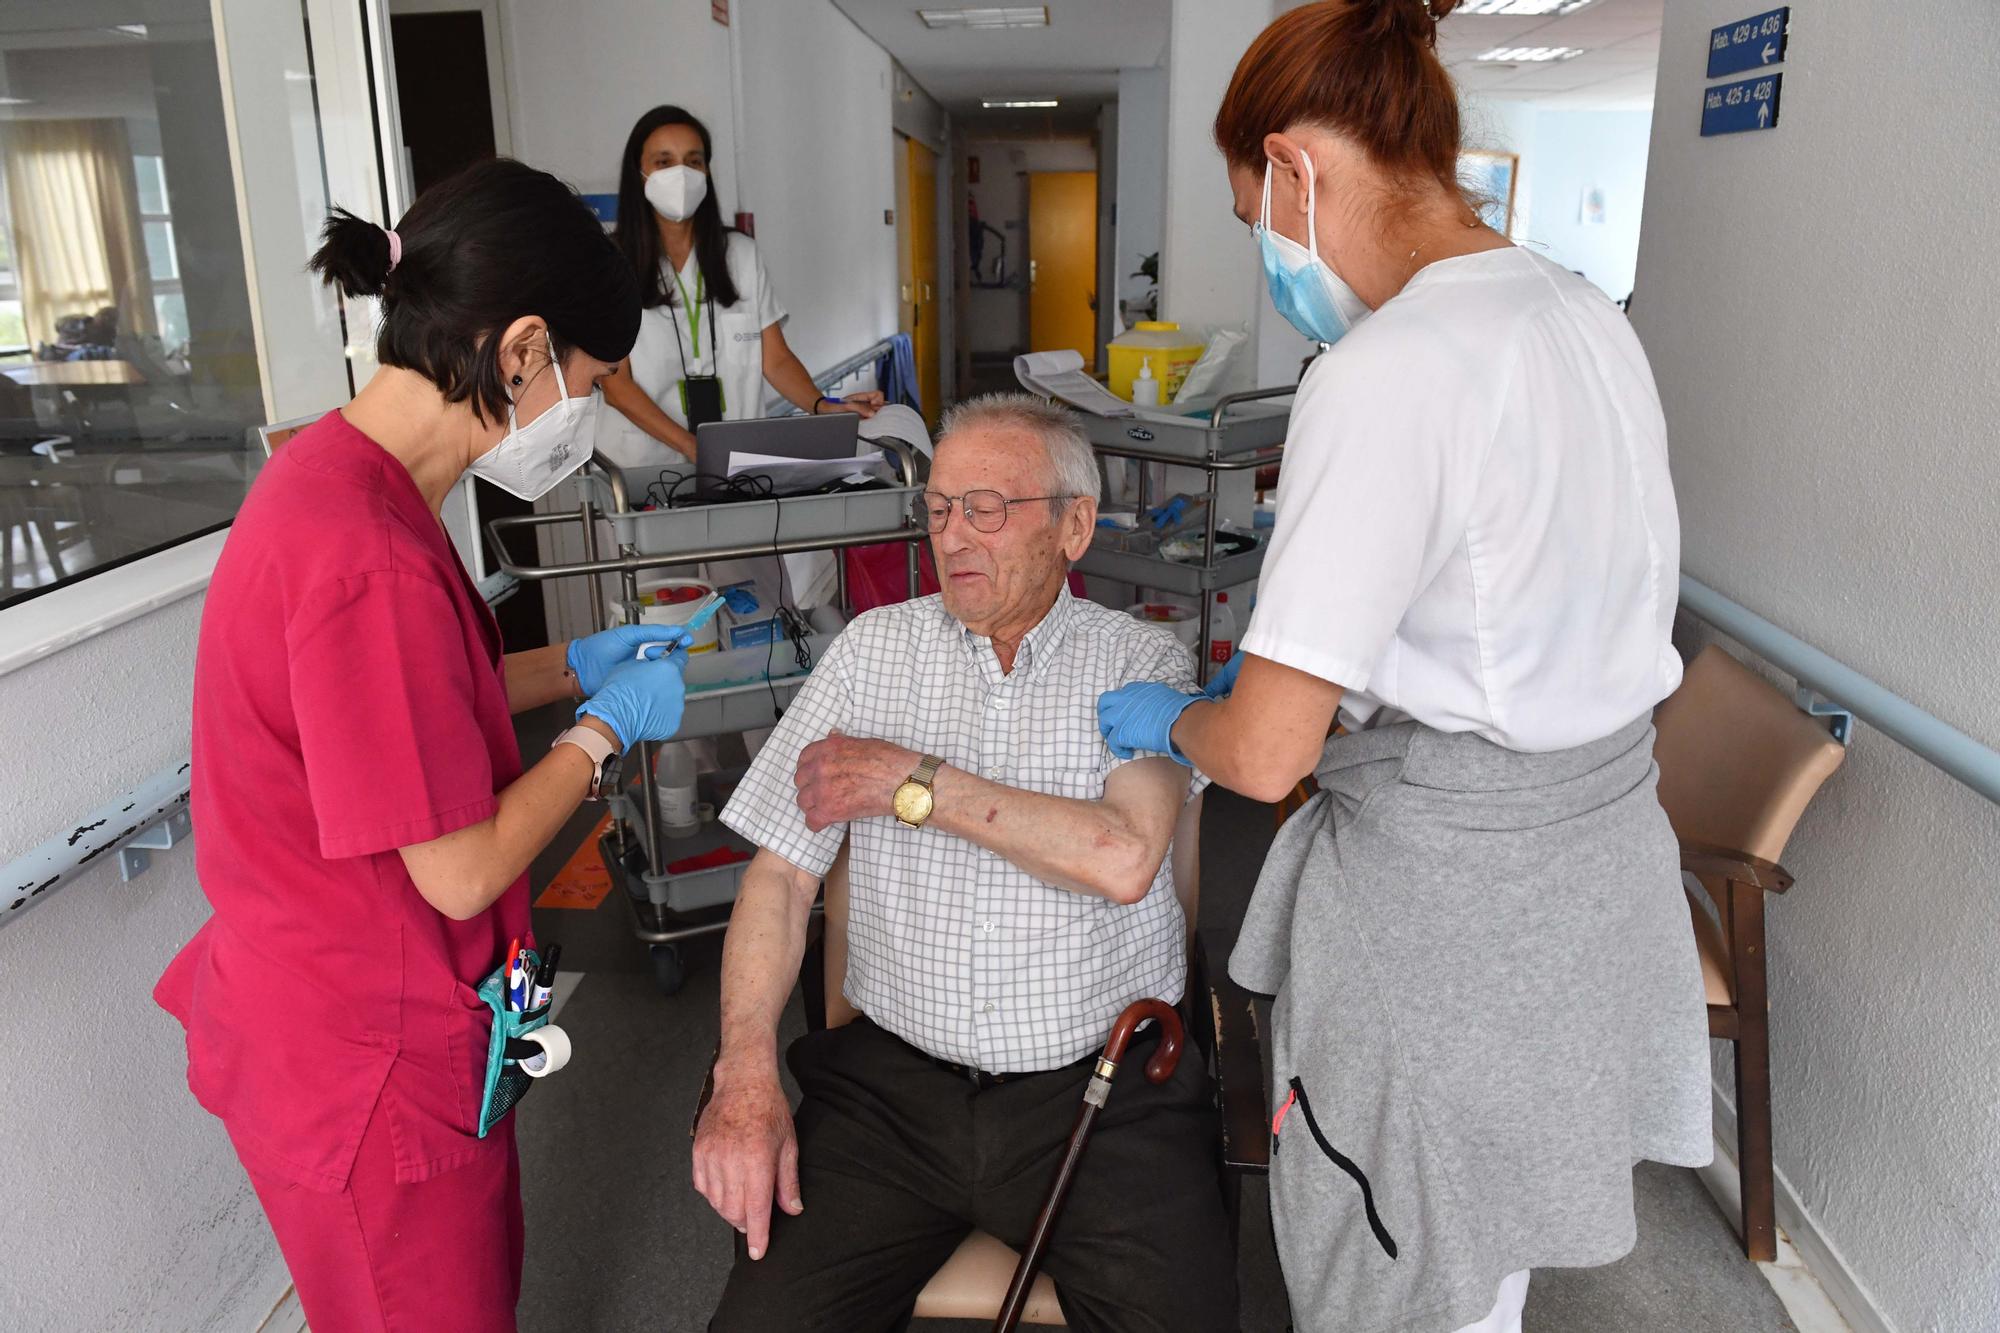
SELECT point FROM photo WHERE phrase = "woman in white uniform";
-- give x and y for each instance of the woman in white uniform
(712, 334)
(1488, 1000)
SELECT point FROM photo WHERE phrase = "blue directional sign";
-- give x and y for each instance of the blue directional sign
(1731, 108)
(1750, 44)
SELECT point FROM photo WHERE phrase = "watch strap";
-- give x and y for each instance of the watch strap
(590, 741)
(927, 771)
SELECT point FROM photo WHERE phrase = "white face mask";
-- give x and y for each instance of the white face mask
(676, 192)
(531, 459)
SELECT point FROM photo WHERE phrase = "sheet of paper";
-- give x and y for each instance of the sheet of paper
(797, 474)
(1061, 375)
(896, 421)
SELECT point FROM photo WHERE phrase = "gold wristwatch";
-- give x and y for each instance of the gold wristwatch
(913, 801)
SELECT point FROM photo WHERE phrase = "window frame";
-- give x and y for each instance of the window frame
(10, 280)
(297, 326)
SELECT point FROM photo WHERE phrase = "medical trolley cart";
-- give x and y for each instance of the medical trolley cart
(1214, 442)
(672, 905)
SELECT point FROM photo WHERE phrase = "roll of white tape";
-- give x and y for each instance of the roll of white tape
(555, 1051)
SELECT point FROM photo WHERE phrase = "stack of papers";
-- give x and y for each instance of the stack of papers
(1061, 375)
(790, 476)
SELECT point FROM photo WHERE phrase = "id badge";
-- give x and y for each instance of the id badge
(702, 400)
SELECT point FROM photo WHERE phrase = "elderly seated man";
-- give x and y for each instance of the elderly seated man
(1011, 892)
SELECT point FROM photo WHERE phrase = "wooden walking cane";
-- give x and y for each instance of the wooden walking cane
(1095, 1093)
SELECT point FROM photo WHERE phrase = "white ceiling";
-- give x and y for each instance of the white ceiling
(1621, 53)
(1076, 57)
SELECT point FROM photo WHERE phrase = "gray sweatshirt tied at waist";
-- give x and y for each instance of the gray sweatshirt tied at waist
(1488, 1008)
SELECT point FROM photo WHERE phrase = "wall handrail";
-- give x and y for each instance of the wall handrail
(152, 816)
(840, 370)
(1930, 739)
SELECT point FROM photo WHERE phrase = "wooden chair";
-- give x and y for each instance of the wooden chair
(973, 1283)
(1739, 763)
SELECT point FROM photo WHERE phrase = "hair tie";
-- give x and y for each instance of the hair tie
(395, 248)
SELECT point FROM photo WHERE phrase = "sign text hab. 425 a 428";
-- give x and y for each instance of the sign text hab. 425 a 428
(1732, 108)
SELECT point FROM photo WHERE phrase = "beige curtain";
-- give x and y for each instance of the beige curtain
(78, 245)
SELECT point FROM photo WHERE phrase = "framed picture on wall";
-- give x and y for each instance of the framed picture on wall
(1488, 179)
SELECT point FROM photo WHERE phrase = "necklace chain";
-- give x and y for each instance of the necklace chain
(1474, 222)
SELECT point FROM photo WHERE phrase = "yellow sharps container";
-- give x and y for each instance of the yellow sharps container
(1172, 353)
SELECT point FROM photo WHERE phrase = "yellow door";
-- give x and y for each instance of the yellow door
(923, 272)
(1062, 263)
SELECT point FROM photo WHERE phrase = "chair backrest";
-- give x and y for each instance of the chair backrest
(270, 436)
(1739, 762)
(1187, 887)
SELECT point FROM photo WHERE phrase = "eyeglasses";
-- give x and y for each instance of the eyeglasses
(986, 511)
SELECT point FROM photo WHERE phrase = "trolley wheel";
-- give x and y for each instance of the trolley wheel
(669, 972)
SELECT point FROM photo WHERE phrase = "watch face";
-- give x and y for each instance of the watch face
(610, 774)
(913, 803)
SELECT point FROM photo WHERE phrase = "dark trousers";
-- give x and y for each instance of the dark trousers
(900, 1159)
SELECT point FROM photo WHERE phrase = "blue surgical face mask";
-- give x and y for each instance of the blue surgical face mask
(1306, 290)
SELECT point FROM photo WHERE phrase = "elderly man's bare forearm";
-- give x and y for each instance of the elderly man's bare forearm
(760, 962)
(1109, 848)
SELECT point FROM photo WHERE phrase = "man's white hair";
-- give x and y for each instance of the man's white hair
(1072, 464)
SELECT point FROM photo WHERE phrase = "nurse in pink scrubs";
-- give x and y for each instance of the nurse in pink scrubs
(366, 818)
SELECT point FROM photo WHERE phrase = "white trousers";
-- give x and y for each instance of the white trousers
(1506, 1313)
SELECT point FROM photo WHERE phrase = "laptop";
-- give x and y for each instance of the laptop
(833, 435)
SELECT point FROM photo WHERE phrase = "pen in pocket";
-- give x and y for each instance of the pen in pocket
(545, 979)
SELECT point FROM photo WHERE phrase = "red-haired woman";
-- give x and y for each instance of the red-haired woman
(1488, 1000)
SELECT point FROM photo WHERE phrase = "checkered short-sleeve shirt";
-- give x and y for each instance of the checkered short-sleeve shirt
(951, 947)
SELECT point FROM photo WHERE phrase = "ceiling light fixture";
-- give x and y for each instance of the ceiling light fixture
(1522, 7)
(1517, 55)
(1016, 106)
(132, 30)
(17, 101)
(1007, 16)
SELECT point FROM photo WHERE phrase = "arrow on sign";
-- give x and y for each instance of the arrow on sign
(1769, 51)
(1764, 114)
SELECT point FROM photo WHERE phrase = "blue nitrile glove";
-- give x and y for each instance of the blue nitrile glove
(740, 601)
(592, 658)
(641, 700)
(1169, 513)
(1141, 717)
(1222, 682)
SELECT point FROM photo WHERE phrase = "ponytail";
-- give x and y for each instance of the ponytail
(354, 255)
(497, 241)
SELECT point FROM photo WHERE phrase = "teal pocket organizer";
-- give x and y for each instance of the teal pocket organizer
(506, 1081)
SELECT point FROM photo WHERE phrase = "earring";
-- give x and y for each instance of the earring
(517, 380)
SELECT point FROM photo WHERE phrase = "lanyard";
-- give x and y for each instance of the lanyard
(694, 320)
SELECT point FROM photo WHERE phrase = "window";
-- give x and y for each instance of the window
(13, 329)
(127, 387)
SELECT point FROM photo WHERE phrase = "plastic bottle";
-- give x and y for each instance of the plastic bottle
(1221, 631)
(1145, 389)
(674, 773)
